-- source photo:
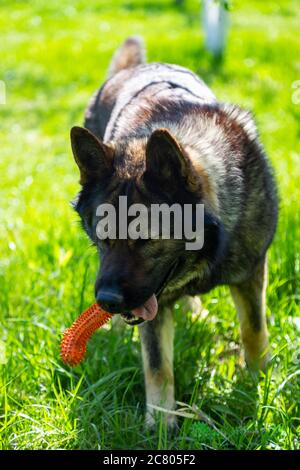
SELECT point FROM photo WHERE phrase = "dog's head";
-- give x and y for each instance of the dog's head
(155, 170)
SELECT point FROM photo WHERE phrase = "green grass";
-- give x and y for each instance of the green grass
(54, 55)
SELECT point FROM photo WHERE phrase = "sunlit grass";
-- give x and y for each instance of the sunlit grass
(54, 55)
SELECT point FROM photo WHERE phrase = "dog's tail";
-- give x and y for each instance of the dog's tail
(130, 54)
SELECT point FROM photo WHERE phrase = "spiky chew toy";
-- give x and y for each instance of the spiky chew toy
(75, 338)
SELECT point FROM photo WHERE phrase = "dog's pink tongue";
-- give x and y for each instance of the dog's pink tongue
(148, 310)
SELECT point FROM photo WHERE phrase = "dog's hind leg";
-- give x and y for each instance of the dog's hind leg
(250, 301)
(157, 349)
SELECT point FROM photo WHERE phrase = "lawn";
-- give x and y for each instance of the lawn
(54, 55)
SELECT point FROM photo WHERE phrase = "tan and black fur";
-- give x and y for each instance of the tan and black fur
(156, 133)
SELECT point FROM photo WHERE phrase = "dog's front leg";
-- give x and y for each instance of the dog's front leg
(157, 349)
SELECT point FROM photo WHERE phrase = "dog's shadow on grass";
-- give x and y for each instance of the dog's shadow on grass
(216, 384)
(239, 415)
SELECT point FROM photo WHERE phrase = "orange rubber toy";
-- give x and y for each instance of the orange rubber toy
(75, 338)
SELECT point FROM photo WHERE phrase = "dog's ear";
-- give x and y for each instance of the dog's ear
(166, 162)
(93, 157)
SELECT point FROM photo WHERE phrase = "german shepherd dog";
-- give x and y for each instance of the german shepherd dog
(156, 133)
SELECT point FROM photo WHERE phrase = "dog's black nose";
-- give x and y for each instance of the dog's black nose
(110, 300)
